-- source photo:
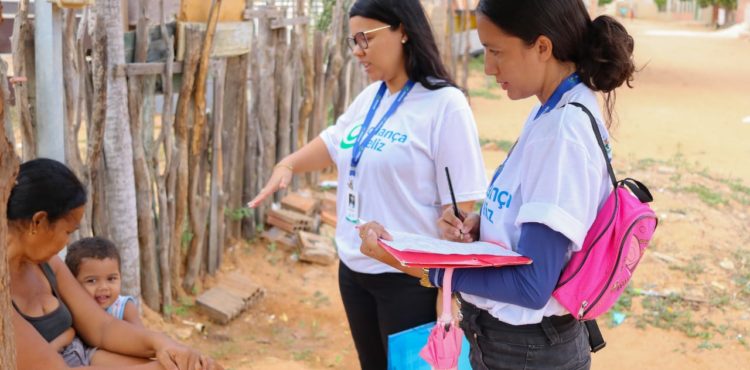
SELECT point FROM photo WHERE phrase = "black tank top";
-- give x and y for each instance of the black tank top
(51, 325)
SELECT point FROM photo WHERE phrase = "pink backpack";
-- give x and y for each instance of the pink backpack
(594, 278)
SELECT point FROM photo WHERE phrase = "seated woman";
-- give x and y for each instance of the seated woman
(56, 324)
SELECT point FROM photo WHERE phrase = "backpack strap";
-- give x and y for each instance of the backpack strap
(596, 341)
(600, 141)
(638, 189)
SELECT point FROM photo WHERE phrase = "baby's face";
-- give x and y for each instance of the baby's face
(101, 279)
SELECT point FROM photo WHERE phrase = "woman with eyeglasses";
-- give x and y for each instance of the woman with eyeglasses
(391, 147)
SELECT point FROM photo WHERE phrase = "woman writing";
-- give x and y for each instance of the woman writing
(56, 323)
(390, 148)
(544, 198)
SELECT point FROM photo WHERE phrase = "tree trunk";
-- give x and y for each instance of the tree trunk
(216, 216)
(284, 85)
(267, 99)
(319, 109)
(178, 175)
(97, 123)
(23, 67)
(118, 154)
(252, 162)
(8, 172)
(163, 187)
(308, 73)
(197, 200)
(143, 183)
(235, 119)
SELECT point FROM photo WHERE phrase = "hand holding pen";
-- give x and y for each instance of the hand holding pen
(455, 224)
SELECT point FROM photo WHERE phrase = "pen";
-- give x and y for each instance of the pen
(453, 197)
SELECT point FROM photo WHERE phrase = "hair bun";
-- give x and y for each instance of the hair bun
(609, 61)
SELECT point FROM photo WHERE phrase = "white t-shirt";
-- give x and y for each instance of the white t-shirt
(556, 176)
(400, 179)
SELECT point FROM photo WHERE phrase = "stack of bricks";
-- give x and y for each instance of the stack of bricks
(304, 224)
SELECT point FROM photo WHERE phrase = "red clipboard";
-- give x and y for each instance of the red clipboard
(433, 260)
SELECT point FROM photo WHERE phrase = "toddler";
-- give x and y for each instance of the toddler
(95, 263)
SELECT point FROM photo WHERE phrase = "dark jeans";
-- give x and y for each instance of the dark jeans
(378, 305)
(557, 343)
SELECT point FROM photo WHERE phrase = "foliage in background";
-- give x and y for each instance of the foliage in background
(727, 4)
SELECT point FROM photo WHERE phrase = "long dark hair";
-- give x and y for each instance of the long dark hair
(45, 185)
(423, 63)
(602, 49)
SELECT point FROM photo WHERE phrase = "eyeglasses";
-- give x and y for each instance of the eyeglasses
(360, 38)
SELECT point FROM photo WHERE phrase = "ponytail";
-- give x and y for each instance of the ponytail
(607, 61)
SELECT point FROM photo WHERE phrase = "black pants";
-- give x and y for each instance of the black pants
(557, 343)
(378, 305)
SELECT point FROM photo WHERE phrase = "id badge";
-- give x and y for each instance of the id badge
(352, 204)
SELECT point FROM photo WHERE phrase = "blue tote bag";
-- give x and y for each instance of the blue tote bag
(404, 347)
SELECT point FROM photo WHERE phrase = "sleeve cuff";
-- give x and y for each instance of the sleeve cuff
(328, 140)
(436, 277)
(556, 219)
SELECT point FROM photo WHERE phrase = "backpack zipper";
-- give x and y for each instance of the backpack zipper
(617, 263)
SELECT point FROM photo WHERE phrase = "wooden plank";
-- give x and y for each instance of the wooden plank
(289, 22)
(198, 10)
(139, 69)
(299, 203)
(231, 38)
(249, 14)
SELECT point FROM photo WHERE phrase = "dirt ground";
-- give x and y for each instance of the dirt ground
(681, 132)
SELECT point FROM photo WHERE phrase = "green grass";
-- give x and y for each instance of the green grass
(238, 214)
(693, 269)
(708, 196)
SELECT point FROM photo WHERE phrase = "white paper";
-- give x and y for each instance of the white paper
(407, 242)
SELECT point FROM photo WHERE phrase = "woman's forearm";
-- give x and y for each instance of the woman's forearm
(313, 156)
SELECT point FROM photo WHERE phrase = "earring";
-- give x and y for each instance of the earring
(403, 41)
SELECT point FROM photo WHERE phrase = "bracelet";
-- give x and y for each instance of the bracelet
(425, 279)
(287, 166)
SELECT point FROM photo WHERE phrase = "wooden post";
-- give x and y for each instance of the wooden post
(308, 71)
(196, 201)
(285, 79)
(118, 151)
(267, 108)
(95, 164)
(318, 112)
(216, 217)
(253, 148)
(23, 67)
(179, 170)
(143, 181)
(163, 187)
(50, 102)
(8, 173)
(235, 118)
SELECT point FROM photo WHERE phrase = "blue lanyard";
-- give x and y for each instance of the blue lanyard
(561, 89)
(365, 135)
